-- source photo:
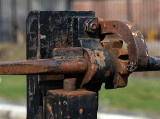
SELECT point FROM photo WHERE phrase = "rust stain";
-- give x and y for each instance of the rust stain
(44, 66)
(100, 20)
(51, 29)
(71, 94)
(49, 108)
(59, 44)
(38, 48)
(80, 110)
(68, 117)
(108, 73)
(65, 37)
(61, 112)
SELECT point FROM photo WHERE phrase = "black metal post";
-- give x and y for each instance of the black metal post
(45, 31)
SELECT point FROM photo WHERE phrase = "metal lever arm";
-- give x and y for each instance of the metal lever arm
(43, 66)
(153, 64)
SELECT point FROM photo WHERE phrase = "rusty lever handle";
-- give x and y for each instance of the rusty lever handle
(153, 64)
(43, 66)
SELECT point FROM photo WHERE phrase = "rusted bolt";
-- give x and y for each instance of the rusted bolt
(65, 103)
(69, 84)
(91, 26)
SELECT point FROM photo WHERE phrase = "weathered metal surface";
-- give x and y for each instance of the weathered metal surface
(79, 104)
(69, 84)
(32, 52)
(153, 64)
(91, 25)
(44, 66)
(98, 64)
(118, 73)
(135, 42)
(47, 30)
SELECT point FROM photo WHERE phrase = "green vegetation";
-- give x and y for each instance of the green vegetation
(10, 52)
(139, 95)
(13, 87)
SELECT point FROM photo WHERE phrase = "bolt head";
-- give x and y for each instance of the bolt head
(93, 26)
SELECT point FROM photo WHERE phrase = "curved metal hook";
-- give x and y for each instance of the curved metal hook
(130, 33)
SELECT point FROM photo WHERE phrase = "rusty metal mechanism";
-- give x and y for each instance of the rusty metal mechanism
(70, 54)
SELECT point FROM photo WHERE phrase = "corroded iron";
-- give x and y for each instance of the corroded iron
(43, 66)
(79, 104)
(70, 54)
(135, 42)
(69, 84)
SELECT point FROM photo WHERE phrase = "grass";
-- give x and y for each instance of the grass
(13, 87)
(140, 95)
(10, 52)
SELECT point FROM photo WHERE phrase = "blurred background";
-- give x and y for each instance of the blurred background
(140, 97)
